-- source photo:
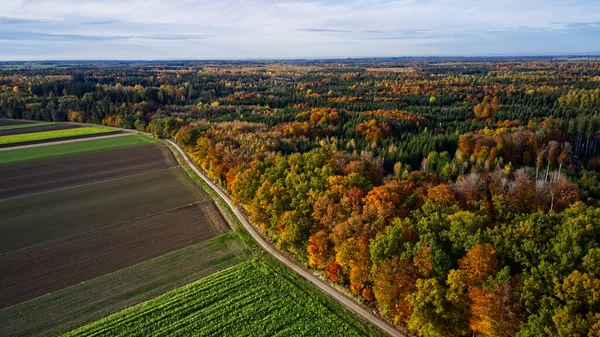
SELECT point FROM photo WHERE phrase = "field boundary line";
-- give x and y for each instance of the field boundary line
(325, 288)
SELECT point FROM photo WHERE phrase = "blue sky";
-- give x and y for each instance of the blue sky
(242, 29)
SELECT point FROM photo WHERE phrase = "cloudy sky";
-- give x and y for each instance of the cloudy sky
(242, 29)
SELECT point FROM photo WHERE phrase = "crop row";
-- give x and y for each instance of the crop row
(247, 299)
(85, 302)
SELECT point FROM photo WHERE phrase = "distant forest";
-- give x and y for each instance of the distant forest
(456, 196)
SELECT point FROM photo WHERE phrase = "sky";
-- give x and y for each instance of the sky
(290, 29)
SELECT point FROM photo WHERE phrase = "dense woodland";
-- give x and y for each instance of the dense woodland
(459, 197)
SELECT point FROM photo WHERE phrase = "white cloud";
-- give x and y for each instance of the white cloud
(287, 28)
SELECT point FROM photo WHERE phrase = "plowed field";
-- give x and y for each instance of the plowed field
(58, 172)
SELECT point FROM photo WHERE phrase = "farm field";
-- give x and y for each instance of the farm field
(11, 122)
(27, 125)
(69, 133)
(250, 292)
(33, 127)
(19, 155)
(38, 218)
(47, 267)
(67, 308)
(69, 215)
(48, 173)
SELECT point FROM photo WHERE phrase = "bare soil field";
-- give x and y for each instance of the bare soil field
(38, 218)
(37, 129)
(70, 307)
(38, 270)
(4, 122)
(87, 234)
(47, 174)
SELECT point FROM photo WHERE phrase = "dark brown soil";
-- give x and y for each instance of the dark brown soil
(42, 217)
(51, 173)
(5, 122)
(70, 219)
(38, 270)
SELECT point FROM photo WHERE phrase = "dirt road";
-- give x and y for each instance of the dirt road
(341, 298)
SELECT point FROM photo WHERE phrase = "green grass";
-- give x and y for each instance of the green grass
(12, 156)
(55, 134)
(24, 126)
(68, 308)
(248, 299)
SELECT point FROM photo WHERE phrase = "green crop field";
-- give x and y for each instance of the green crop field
(248, 299)
(23, 126)
(12, 156)
(55, 134)
(85, 302)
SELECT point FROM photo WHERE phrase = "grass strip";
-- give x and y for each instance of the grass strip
(54, 134)
(12, 156)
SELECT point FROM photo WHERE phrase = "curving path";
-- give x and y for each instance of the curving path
(347, 302)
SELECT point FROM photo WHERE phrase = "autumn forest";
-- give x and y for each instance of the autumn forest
(457, 197)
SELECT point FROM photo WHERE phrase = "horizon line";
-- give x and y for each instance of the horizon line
(275, 59)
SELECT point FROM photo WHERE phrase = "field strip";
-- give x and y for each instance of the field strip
(68, 148)
(108, 180)
(39, 128)
(93, 183)
(29, 146)
(48, 136)
(95, 230)
(244, 300)
(70, 307)
(73, 158)
(34, 219)
(25, 126)
(10, 121)
(39, 270)
(27, 179)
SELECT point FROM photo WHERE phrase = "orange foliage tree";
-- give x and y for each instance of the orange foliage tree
(319, 249)
(394, 280)
(374, 130)
(494, 310)
(479, 264)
